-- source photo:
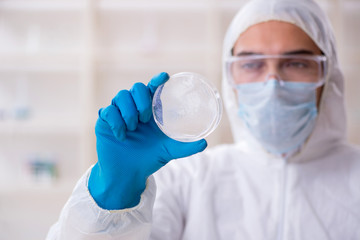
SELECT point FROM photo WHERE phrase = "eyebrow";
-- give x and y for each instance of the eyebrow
(295, 52)
(301, 51)
(245, 53)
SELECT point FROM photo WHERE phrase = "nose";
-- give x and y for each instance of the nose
(273, 76)
(273, 68)
(273, 72)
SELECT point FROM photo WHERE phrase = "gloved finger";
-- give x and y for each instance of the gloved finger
(156, 81)
(141, 96)
(185, 149)
(125, 103)
(112, 117)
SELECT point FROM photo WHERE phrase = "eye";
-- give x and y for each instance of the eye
(251, 65)
(297, 64)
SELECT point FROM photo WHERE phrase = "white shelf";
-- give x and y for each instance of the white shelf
(37, 68)
(50, 189)
(39, 127)
(40, 62)
(142, 5)
(37, 5)
(164, 59)
(40, 56)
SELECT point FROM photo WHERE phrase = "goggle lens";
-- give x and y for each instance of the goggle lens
(257, 68)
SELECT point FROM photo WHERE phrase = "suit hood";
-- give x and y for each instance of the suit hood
(330, 127)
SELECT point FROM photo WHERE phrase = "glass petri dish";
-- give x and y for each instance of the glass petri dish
(187, 107)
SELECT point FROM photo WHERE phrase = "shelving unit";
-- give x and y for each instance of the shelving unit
(62, 60)
(45, 138)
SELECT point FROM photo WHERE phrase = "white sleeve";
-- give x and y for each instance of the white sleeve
(82, 218)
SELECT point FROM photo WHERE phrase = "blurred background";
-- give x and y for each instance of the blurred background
(61, 60)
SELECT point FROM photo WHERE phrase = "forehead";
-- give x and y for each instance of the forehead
(274, 37)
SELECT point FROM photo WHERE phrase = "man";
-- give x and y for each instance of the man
(290, 174)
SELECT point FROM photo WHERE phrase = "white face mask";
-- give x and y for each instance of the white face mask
(280, 115)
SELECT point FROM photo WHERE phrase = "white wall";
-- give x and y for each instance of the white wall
(61, 60)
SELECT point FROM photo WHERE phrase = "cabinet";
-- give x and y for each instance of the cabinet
(46, 139)
(44, 82)
(61, 60)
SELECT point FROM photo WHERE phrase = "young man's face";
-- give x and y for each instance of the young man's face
(276, 38)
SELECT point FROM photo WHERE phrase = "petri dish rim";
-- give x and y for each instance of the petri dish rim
(215, 121)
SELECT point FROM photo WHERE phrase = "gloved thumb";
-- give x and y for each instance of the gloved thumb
(185, 149)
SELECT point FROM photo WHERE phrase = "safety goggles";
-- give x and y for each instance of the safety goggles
(291, 68)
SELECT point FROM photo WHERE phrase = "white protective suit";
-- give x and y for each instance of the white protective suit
(240, 191)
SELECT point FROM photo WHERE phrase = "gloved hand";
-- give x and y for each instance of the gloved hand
(131, 147)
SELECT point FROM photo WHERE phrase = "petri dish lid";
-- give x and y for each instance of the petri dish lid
(187, 107)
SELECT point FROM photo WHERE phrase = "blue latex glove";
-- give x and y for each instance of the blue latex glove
(131, 147)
